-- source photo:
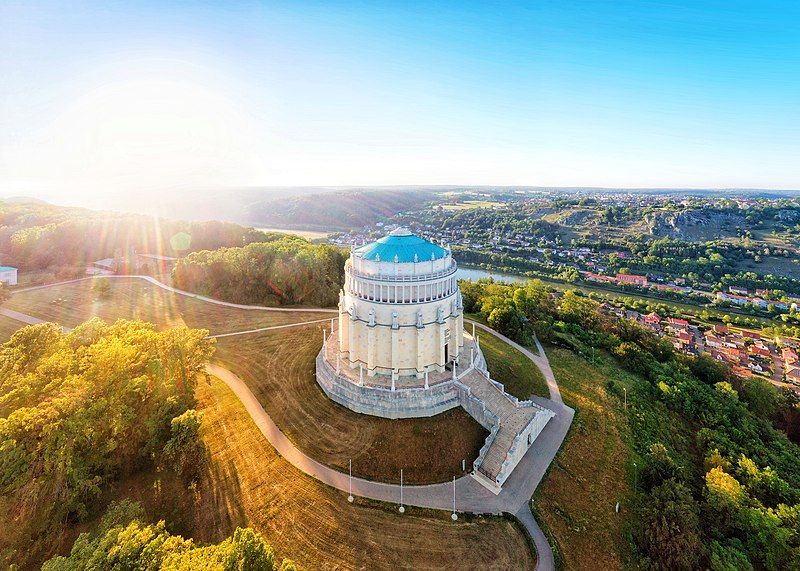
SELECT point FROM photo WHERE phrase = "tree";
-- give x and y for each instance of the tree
(185, 451)
(508, 320)
(670, 528)
(101, 287)
(4, 293)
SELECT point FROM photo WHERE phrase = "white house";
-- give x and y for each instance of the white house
(8, 275)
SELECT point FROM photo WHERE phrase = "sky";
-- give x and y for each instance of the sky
(145, 98)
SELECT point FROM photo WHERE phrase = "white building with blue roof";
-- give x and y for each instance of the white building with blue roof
(8, 275)
(400, 310)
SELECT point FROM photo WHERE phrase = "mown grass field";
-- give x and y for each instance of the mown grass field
(518, 374)
(279, 368)
(132, 298)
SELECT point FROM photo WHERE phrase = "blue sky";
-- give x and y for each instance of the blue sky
(108, 97)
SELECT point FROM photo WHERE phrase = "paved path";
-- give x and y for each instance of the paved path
(540, 360)
(24, 318)
(470, 495)
(166, 287)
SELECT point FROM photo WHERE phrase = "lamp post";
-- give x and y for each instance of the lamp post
(454, 517)
(350, 486)
(625, 391)
(402, 509)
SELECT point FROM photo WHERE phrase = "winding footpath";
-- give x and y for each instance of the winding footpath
(470, 496)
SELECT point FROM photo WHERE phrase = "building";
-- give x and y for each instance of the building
(404, 314)
(400, 351)
(631, 279)
(8, 275)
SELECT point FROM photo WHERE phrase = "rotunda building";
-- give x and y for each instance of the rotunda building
(400, 311)
(400, 351)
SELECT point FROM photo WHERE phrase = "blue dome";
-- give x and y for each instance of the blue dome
(403, 247)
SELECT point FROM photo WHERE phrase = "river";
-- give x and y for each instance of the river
(476, 274)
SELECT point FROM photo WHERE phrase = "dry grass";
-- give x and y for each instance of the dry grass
(279, 369)
(588, 477)
(71, 304)
(314, 525)
(7, 327)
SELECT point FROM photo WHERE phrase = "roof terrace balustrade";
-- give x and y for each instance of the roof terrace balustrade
(405, 278)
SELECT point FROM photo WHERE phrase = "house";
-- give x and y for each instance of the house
(760, 351)
(631, 279)
(737, 290)
(713, 341)
(751, 334)
(720, 329)
(652, 318)
(793, 375)
(731, 298)
(8, 275)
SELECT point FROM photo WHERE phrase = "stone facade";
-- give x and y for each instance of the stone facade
(401, 318)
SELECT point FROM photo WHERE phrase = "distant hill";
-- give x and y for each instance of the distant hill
(341, 210)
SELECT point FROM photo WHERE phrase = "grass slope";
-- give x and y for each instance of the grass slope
(507, 365)
(73, 303)
(279, 369)
(7, 327)
(595, 467)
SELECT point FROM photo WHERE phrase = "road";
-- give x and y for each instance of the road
(470, 496)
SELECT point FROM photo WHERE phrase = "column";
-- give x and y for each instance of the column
(371, 350)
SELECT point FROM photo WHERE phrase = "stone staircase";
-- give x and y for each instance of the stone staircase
(513, 426)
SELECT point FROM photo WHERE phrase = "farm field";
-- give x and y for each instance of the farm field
(278, 366)
(132, 298)
(307, 234)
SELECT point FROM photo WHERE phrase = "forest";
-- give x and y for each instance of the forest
(82, 410)
(728, 500)
(285, 271)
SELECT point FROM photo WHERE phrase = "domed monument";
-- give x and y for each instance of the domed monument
(400, 350)
(403, 308)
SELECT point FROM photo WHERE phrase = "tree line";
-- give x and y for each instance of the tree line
(285, 271)
(44, 237)
(728, 500)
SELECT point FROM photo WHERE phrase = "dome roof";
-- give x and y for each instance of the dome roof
(401, 246)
